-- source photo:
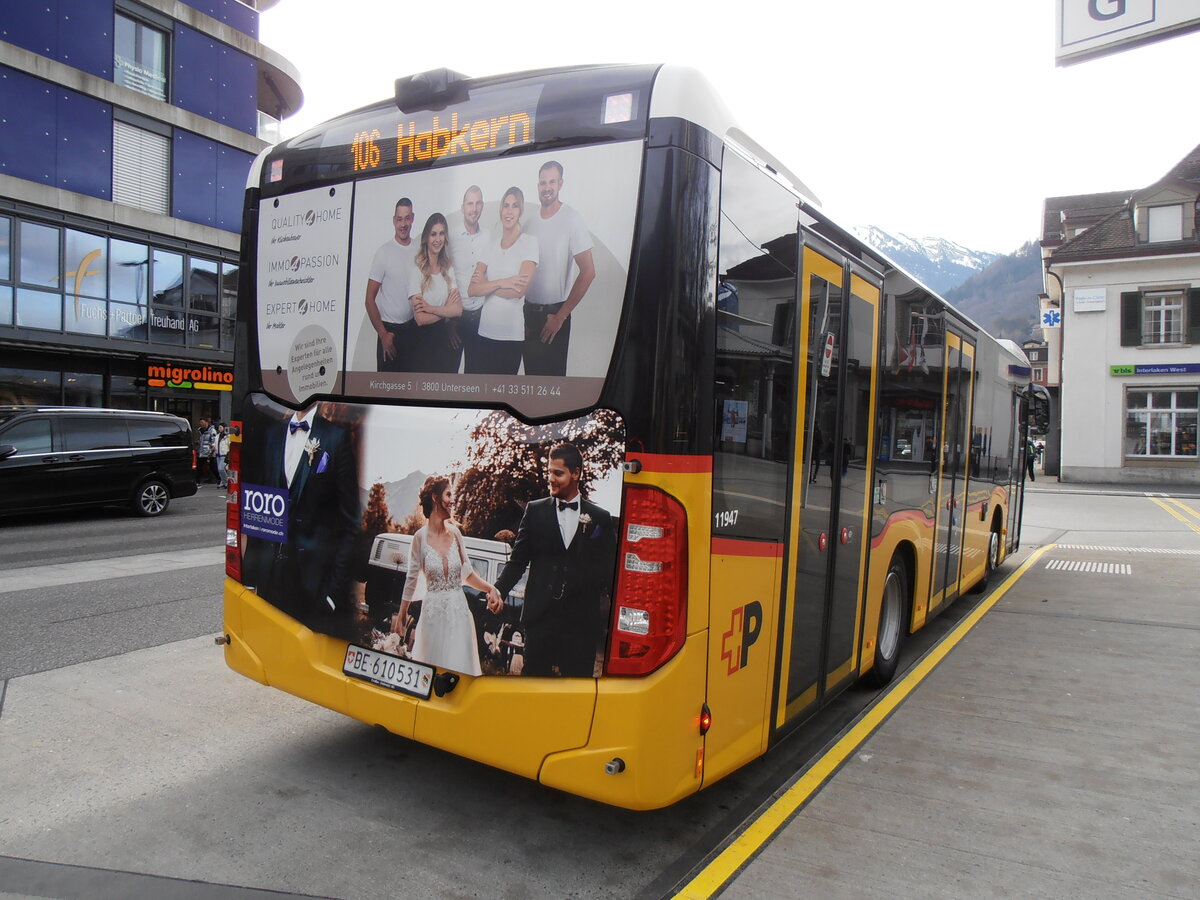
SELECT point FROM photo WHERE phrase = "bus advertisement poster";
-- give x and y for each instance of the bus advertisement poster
(303, 242)
(462, 539)
(498, 281)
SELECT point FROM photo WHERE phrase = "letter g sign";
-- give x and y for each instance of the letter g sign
(1113, 9)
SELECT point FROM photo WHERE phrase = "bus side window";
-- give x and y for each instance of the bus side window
(755, 365)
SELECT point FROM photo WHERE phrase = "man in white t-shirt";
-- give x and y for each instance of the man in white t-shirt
(388, 306)
(565, 246)
(466, 249)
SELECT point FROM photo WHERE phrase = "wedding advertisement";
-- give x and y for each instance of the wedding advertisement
(436, 540)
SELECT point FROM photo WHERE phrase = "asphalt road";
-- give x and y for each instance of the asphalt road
(89, 614)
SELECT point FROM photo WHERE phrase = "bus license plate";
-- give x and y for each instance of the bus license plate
(389, 671)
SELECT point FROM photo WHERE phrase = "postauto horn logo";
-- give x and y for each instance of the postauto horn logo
(745, 624)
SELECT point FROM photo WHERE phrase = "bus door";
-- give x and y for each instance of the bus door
(830, 528)
(953, 466)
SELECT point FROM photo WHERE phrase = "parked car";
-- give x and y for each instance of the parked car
(62, 457)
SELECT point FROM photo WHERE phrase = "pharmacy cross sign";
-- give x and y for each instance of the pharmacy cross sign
(1051, 318)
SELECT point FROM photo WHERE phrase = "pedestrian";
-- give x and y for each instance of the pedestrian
(814, 467)
(1030, 456)
(208, 449)
(222, 454)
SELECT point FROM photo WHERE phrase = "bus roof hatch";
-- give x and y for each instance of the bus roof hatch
(436, 88)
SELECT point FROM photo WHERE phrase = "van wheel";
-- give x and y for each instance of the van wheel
(152, 498)
(893, 617)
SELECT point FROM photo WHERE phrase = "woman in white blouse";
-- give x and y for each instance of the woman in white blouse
(502, 276)
(433, 292)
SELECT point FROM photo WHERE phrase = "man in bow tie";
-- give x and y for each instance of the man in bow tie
(569, 546)
(310, 461)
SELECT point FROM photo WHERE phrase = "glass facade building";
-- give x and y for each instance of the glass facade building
(121, 188)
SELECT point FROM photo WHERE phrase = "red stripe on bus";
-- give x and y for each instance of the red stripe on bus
(734, 547)
(665, 463)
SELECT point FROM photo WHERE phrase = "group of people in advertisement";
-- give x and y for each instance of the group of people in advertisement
(302, 524)
(479, 302)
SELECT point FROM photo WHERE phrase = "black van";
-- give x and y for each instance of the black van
(62, 457)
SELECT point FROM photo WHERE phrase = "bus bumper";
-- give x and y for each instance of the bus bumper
(562, 732)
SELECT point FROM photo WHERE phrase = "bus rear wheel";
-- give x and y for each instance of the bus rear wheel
(991, 560)
(893, 618)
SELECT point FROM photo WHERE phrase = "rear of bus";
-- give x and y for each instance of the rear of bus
(339, 436)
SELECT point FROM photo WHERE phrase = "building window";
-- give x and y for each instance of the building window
(35, 387)
(141, 168)
(1154, 318)
(66, 280)
(39, 309)
(1165, 223)
(128, 265)
(1161, 423)
(168, 279)
(5, 244)
(1039, 375)
(39, 256)
(270, 129)
(1162, 317)
(83, 389)
(140, 56)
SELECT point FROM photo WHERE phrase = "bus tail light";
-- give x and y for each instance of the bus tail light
(233, 519)
(650, 604)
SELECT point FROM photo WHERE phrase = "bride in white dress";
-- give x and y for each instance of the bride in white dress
(445, 635)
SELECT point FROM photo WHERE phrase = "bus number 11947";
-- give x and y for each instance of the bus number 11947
(726, 519)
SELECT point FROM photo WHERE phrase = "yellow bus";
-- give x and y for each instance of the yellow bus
(577, 439)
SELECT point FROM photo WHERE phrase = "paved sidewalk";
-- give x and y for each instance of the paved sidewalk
(1053, 753)
(32, 578)
(1051, 484)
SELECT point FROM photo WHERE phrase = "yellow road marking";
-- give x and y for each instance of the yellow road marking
(1178, 515)
(1195, 514)
(726, 864)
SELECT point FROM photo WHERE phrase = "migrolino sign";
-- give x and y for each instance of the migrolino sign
(202, 378)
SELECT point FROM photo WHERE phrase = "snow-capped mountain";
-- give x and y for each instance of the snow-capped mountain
(939, 263)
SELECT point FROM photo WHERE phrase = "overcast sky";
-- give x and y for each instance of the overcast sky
(941, 118)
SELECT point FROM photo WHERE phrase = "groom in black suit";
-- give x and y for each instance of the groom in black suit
(569, 545)
(311, 461)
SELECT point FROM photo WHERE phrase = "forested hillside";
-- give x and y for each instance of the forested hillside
(1003, 297)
